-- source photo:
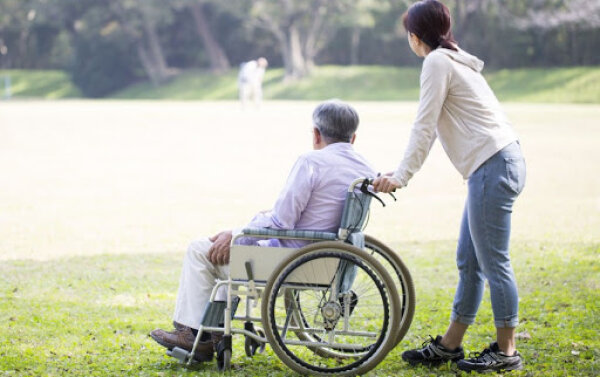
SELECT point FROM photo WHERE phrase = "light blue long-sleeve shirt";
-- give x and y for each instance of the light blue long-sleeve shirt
(314, 194)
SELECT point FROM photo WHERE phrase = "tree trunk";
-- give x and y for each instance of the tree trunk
(147, 63)
(216, 55)
(152, 69)
(354, 44)
(147, 45)
(22, 59)
(294, 60)
(573, 33)
(155, 54)
(314, 35)
(462, 17)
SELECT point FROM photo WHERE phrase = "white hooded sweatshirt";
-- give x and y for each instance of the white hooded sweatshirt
(458, 106)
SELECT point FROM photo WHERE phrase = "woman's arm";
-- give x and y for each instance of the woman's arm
(435, 79)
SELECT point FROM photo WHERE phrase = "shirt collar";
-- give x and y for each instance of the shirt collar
(338, 146)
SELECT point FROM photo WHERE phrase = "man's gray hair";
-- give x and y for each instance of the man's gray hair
(337, 121)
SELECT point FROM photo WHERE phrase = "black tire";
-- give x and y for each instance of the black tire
(224, 360)
(377, 315)
(252, 346)
(404, 283)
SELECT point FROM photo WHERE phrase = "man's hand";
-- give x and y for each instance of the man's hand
(219, 251)
(386, 183)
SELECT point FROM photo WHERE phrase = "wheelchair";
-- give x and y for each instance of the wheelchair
(336, 306)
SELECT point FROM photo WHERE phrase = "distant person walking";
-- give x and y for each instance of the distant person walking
(250, 80)
(457, 106)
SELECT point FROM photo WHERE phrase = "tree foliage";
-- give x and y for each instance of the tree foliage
(107, 44)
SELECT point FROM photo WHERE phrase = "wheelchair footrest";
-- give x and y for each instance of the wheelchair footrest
(179, 353)
(214, 314)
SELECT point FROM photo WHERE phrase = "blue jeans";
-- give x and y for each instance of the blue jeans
(482, 251)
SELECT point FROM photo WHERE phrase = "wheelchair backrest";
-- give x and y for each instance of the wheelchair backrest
(354, 215)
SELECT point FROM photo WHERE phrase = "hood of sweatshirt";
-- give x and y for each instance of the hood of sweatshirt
(463, 57)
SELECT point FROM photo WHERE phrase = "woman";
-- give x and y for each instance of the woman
(458, 107)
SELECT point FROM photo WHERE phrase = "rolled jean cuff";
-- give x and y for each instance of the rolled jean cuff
(465, 320)
(507, 322)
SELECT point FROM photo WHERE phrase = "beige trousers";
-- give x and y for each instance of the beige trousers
(197, 281)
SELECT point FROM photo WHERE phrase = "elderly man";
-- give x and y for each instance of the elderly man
(313, 198)
(250, 80)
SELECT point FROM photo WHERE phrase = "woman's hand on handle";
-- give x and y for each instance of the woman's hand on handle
(386, 183)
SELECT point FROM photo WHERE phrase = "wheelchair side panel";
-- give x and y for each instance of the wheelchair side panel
(265, 259)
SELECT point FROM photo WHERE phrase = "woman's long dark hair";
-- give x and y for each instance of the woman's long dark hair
(430, 21)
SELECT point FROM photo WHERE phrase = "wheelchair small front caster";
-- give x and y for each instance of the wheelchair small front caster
(224, 361)
(224, 354)
(252, 346)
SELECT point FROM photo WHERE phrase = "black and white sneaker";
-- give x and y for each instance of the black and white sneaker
(432, 353)
(491, 359)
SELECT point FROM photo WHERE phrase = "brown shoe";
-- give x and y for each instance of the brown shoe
(216, 338)
(183, 338)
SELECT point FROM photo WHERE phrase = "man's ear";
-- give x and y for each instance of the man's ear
(353, 139)
(317, 136)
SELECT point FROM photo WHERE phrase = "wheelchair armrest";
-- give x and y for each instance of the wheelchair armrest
(289, 234)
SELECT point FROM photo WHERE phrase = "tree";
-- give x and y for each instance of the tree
(103, 61)
(358, 16)
(298, 26)
(27, 34)
(533, 32)
(542, 14)
(203, 13)
(15, 25)
(216, 54)
(140, 19)
(109, 44)
(574, 22)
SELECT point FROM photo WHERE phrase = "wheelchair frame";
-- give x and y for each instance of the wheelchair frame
(399, 306)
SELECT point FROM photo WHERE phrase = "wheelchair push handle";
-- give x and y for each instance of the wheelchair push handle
(371, 180)
(362, 184)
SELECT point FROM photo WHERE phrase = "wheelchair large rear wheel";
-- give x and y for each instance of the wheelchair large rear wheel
(390, 260)
(349, 315)
(402, 279)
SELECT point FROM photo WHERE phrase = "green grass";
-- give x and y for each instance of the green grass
(350, 83)
(99, 199)
(377, 83)
(566, 85)
(371, 83)
(91, 315)
(38, 84)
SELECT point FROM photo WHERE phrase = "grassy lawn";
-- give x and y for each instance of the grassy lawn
(38, 84)
(575, 85)
(90, 316)
(100, 199)
(376, 83)
(351, 83)
(366, 83)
